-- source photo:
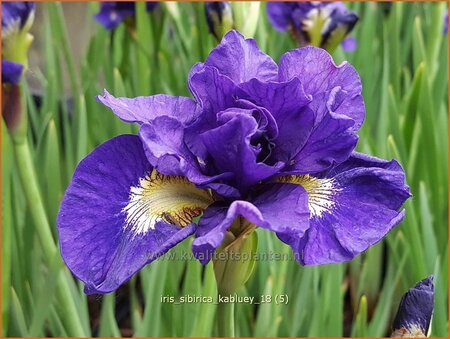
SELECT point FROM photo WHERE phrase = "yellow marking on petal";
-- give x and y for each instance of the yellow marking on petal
(320, 192)
(158, 197)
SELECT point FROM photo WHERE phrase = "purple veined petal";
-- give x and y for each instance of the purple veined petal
(230, 148)
(330, 144)
(318, 73)
(415, 312)
(118, 214)
(266, 121)
(350, 211)
(287, 103)
(240, 59)
(334, 135)
(358, 159)
(145, 109)
(349, 44)
(213, 91)
(163, 142)
(280, 98)
(11, 72)
(279, 208)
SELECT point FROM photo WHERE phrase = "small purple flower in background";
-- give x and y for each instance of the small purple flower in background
(322, 24)
(113, 13)
(17, 18)
(413, 319)
(349, 44)
(261, 144)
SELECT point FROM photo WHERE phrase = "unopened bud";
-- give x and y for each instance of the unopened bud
(234, 260)
(219, 18)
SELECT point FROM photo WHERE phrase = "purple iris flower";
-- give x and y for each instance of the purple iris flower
(113, 13)
(15, 15)
(413, 319)
(322, 24)
(271, 144)
(11, 72)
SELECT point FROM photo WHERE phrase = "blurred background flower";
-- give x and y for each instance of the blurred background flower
(17, 18)
(219, 17)
(112, 13)
(322, 24)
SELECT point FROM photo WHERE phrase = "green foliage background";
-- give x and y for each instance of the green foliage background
(402, 58)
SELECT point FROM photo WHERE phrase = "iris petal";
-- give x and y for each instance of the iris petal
(145, 109)
(352, 208)
(118, 214)
(278, 207)
(319, 74)
(240, 59)
(231, 151)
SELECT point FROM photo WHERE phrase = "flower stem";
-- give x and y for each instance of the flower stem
(31, 189)
(225, 317)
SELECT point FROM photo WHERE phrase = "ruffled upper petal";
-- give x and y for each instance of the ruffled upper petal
(329, 144)
(288, 103)
(318, 73)
(351, 210)
(230, 150)
(144, 109)
(213, 91)
(279, 208)
(118, 214)
(164, 146)
(240, 59)
(337, 105)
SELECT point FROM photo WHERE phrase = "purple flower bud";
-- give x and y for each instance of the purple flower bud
(219, 17)
(413, 319)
